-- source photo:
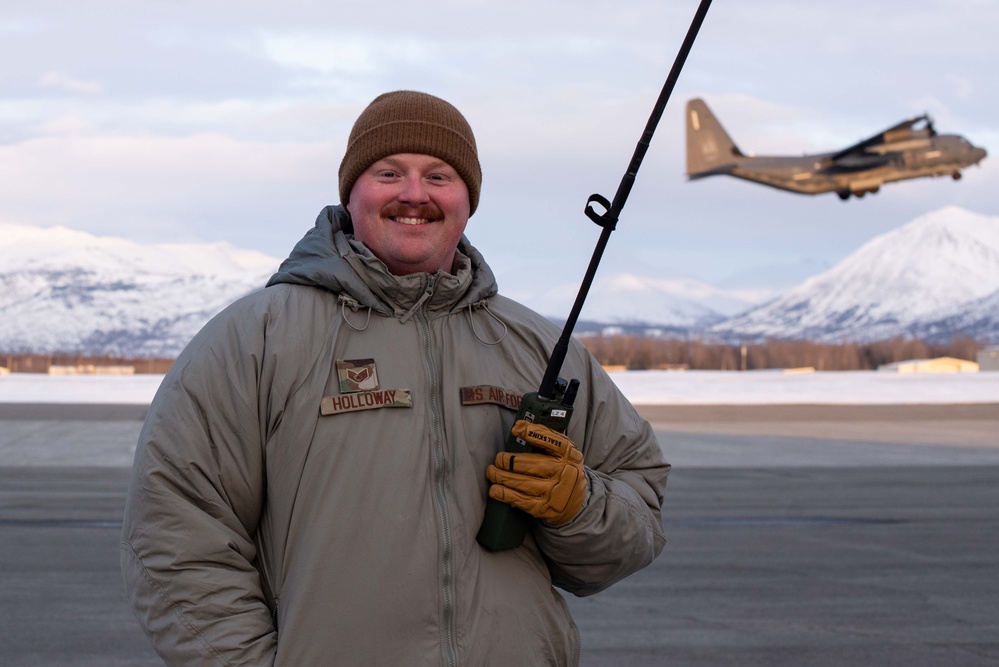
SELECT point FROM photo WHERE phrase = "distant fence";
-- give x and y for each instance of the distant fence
(78, 364)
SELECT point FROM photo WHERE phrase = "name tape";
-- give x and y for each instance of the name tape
(366, 400)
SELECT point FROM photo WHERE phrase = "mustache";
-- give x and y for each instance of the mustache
(427, 211)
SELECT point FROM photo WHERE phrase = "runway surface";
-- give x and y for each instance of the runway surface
(798, 535)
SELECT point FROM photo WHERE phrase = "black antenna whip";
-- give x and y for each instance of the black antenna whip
(608, 219)
(504, 526)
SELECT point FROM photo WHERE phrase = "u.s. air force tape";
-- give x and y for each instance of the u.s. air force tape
(366, 400)
(484, 393)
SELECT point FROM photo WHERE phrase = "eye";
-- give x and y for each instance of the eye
(443, 177)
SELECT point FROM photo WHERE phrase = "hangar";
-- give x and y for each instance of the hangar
(937, 365)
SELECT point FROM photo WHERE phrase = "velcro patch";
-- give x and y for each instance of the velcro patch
(366, 400)
(356, 375)
(485, 393)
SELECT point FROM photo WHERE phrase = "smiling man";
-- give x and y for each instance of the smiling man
(410, 210)
(314, 469)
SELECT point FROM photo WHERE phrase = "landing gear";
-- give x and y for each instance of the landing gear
(858, 193)
(956, 175)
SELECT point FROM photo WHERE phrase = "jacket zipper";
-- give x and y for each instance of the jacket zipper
(572, 622)
(440, 485)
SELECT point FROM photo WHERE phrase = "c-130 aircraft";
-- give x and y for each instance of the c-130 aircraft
(911, 149)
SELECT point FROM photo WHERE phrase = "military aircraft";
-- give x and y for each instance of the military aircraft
(911, 149)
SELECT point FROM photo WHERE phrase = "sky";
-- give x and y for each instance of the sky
(174, 120)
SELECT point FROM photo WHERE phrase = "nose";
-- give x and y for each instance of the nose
(978, 154)
(414, 190)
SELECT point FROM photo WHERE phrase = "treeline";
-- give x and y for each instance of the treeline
(642, 353)
(650, 352)
(41, 363)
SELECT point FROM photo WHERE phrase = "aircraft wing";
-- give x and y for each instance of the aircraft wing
(876, 144)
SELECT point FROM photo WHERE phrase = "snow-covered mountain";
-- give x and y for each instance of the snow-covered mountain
(625, 299)
(976, 319)
(69, 291)
(934, 276)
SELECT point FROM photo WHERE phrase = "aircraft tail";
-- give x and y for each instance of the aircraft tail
(709, 148)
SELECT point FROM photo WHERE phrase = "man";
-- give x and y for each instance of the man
(313, 470)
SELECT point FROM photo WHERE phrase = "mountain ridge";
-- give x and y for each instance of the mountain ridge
(63, 290)
(898, 283)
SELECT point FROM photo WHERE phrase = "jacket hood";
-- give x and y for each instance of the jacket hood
(329, 257)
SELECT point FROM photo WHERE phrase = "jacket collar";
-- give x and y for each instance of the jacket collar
(329, 257)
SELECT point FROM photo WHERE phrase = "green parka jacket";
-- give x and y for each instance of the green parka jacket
(259, 530)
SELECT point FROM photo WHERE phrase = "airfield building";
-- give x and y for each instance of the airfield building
(937, 365)
(988, 358)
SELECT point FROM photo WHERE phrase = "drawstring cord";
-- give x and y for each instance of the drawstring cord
(484, 305)
(354, 306)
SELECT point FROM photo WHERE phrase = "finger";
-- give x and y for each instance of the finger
(511, 497)
(541, 437)
(531, 486)
(528, 463)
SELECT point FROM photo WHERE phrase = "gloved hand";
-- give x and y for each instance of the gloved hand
(548, 484)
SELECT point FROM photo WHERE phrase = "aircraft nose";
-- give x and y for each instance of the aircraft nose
(978, 154)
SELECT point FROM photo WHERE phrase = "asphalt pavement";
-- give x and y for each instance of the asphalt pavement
(794, 539)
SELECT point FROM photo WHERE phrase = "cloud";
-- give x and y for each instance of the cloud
(65, 82)
(331, 54)
(205, 186)
(69, 124)
(18, 26)
(226, 120)
(353, 54)
(964, 86)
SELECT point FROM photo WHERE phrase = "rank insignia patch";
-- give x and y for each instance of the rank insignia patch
(356, 375)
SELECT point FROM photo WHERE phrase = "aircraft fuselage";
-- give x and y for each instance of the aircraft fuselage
(899, 153)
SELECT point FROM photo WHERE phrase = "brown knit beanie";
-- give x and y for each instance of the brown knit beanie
(406, 121)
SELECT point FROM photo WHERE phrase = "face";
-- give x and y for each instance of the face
(410, 210)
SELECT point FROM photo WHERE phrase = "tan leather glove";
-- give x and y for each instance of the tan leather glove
(548, 484)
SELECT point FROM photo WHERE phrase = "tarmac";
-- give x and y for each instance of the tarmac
(798, 535)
